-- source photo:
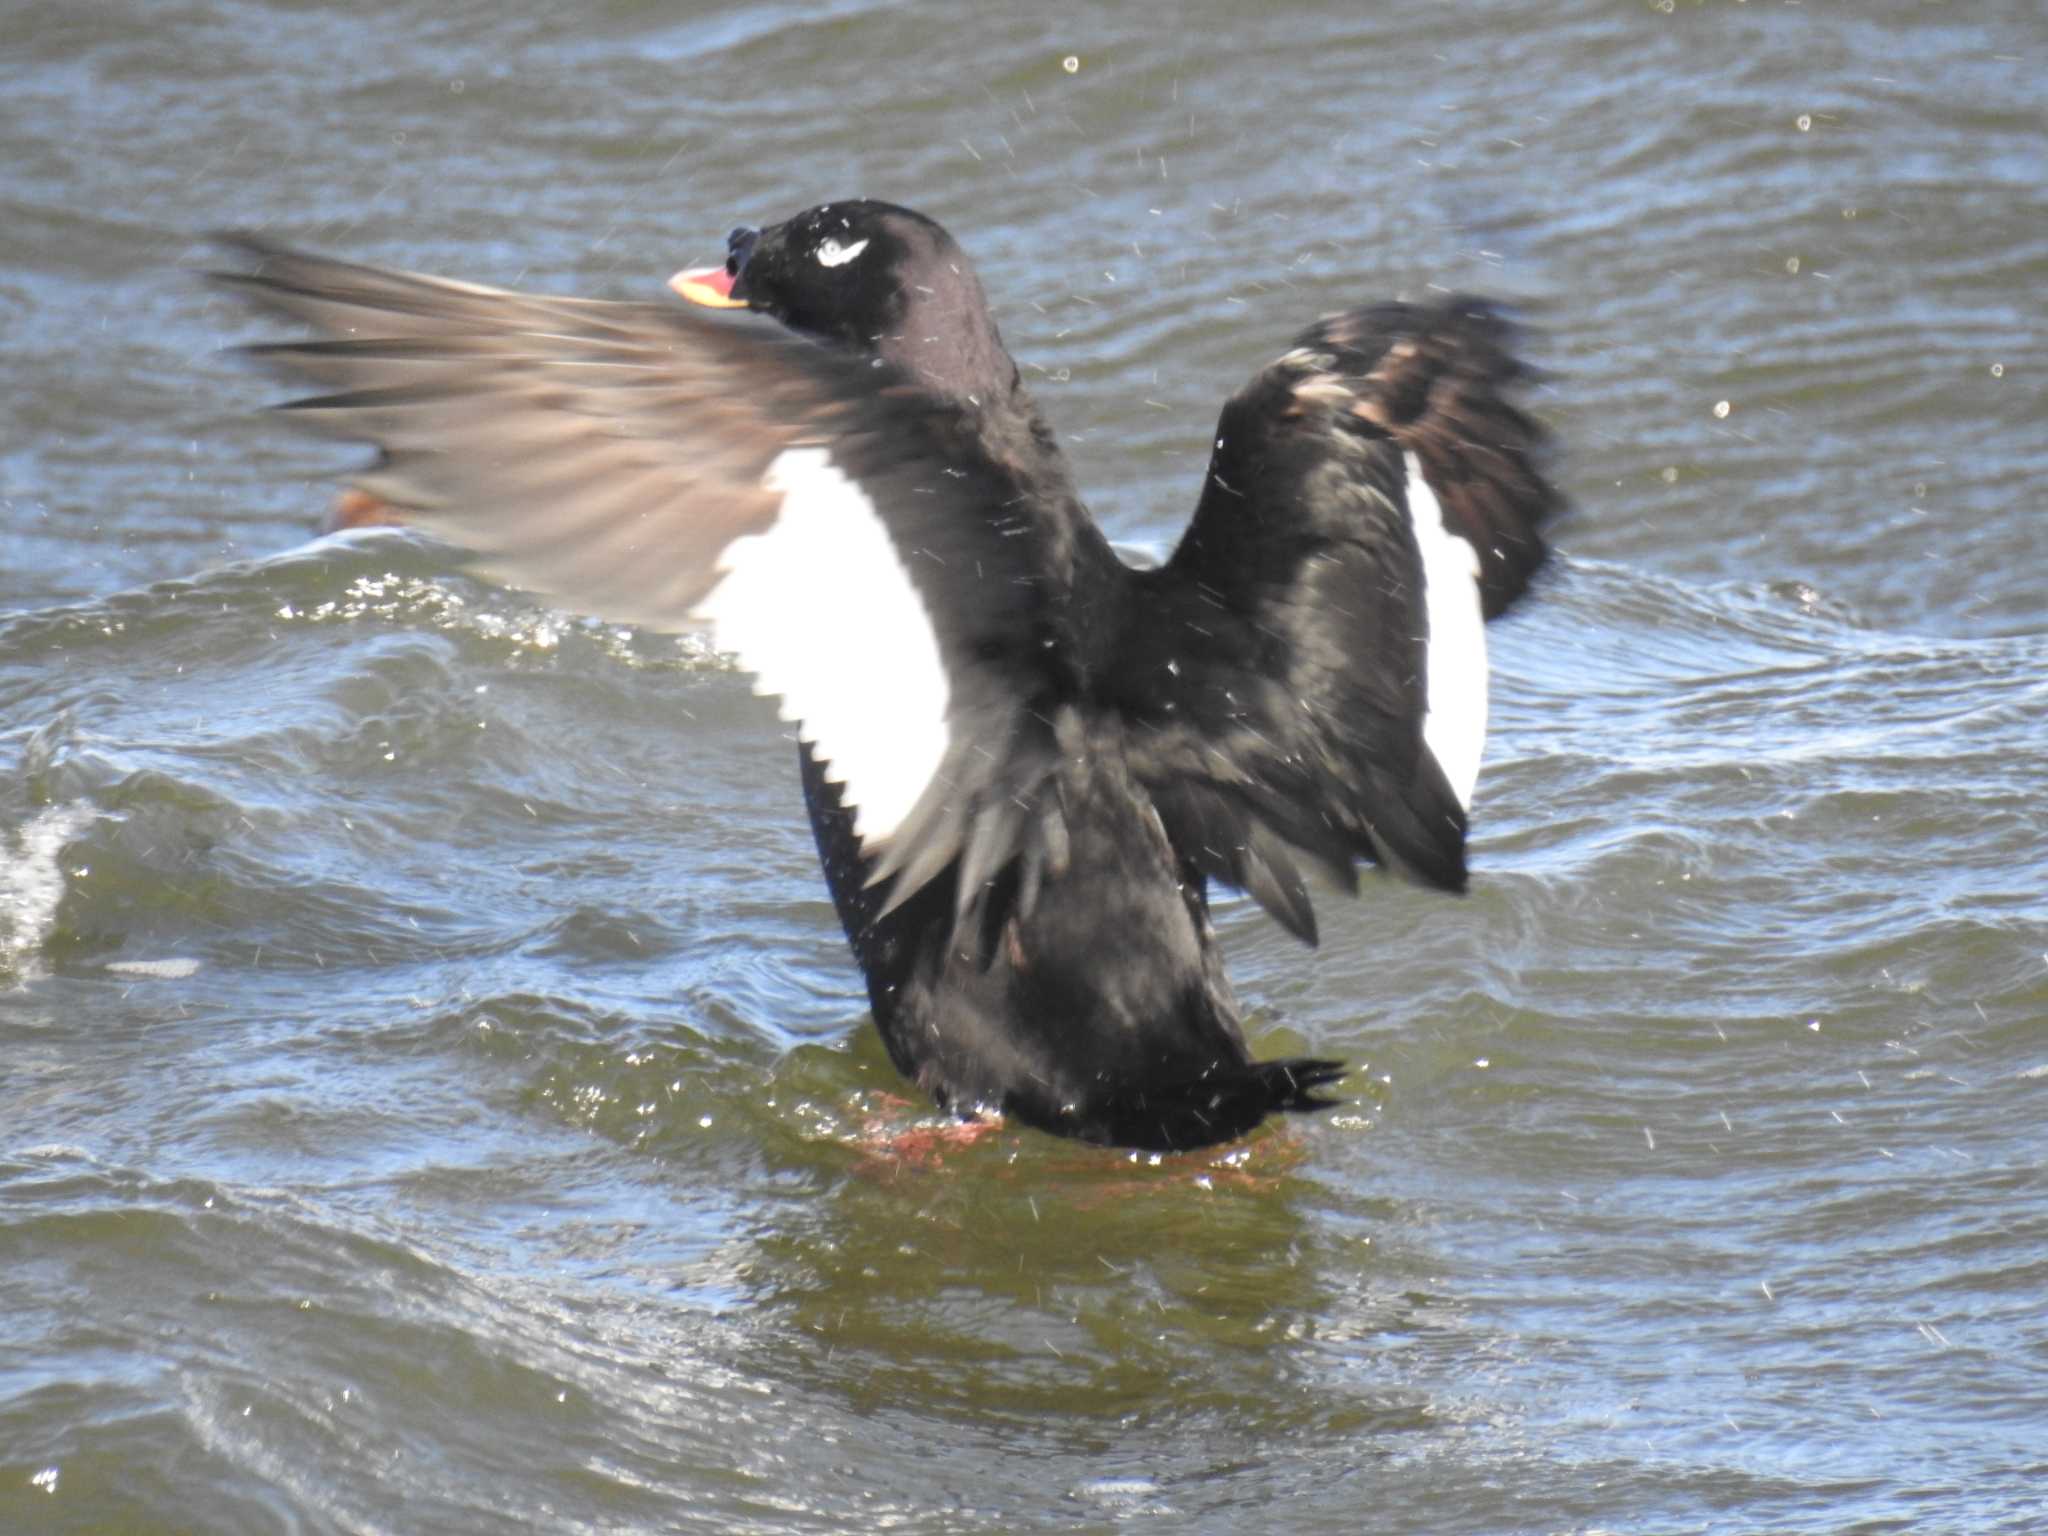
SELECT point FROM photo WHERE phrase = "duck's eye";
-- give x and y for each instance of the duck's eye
(832, 254)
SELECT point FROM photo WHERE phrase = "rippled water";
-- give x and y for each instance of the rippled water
(433, 1093)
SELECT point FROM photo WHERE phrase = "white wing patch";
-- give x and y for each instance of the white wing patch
(1454, 676)
(822, 609)
(833, 254)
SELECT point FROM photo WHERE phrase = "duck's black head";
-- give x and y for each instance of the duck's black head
(873, 277)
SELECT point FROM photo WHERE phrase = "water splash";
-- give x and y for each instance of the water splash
(32, 884)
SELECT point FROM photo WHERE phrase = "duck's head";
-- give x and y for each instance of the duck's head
(867, 275)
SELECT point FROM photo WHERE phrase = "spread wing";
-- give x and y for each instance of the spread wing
(833, 526)
(1308, 671)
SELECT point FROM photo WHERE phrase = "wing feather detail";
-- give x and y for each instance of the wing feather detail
(835, 527)
(1308, 670)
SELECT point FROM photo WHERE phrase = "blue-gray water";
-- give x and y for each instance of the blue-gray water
(433, 1093)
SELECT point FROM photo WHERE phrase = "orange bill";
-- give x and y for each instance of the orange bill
(710, 286)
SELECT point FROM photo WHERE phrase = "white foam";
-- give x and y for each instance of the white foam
(32, 884)
(175, 969)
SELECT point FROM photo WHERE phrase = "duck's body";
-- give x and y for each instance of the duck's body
(1024, 760)
(1134, 1036)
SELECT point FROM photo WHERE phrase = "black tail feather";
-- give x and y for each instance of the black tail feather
(1220, 1105)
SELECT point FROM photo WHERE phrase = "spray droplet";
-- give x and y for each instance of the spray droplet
(1671, 474)
(1998, 370)
(1792, 264)
(1804, 122)
(1721, 409)
(1071, 63)
(456, 87)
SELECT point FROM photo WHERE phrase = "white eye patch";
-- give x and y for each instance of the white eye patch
(833, 254)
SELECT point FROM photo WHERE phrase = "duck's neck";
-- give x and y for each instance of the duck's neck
(960, 356)
(948, 341)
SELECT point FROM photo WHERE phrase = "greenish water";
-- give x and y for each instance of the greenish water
(434, 1096)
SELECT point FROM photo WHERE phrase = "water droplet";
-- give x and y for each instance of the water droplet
(1804, 122)
(1671, 474)
(456, 87)
(1791, 263)
(1998, 370)
(1721, 409)
(1071, 64)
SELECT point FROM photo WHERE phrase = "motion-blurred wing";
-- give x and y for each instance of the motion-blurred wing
(835, 528)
